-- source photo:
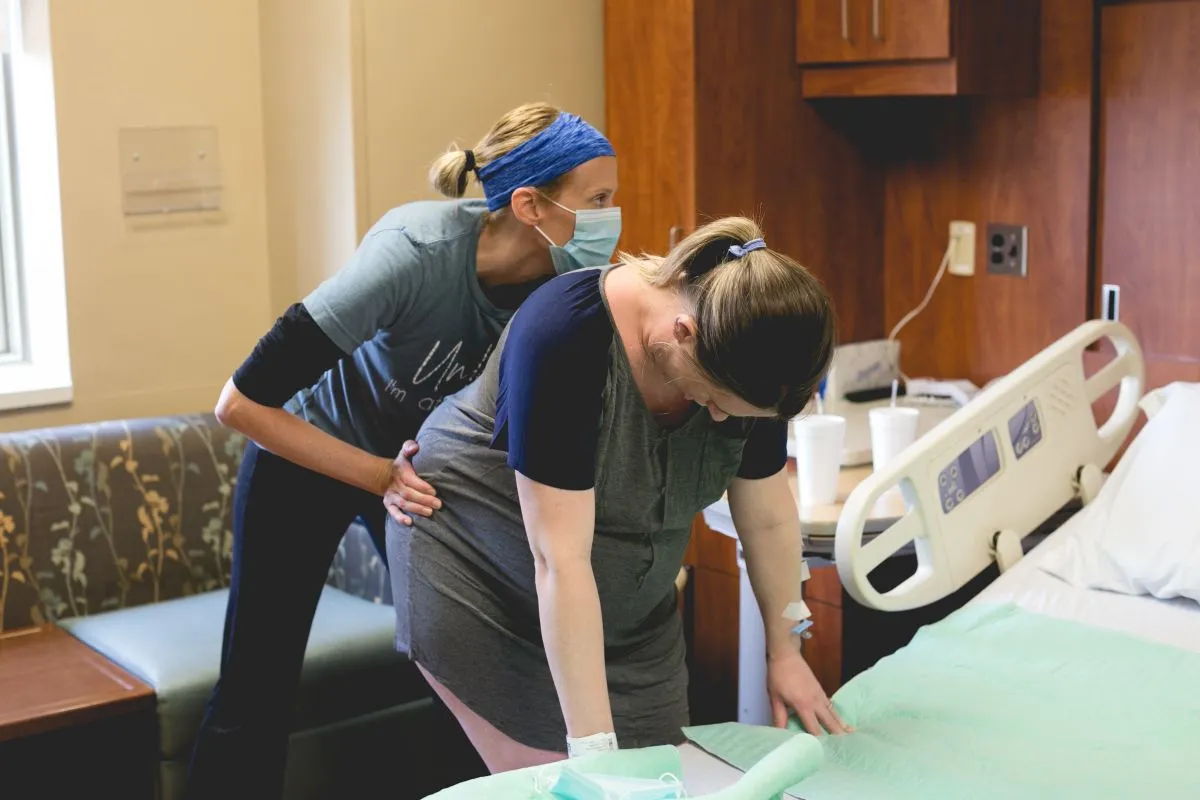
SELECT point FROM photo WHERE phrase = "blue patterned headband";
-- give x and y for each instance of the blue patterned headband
(567, 143)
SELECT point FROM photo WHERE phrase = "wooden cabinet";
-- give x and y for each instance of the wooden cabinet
(827, 32)
(917, 47)
(711, 625)
(904, 30)
(860, 31)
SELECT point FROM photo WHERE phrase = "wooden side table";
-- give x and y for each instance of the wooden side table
(71, 721)
(819, 523)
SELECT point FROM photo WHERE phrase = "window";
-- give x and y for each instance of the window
(34, 354)
(10, 310)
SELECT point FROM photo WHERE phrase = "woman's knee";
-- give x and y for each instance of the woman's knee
(503, 754)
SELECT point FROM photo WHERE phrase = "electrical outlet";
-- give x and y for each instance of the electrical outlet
(1111, 297)
(1007, 249)
(962, 255)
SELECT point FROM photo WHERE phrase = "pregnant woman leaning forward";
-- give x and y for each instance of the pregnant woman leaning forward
(539, 602)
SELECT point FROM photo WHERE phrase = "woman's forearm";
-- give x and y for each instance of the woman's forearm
(764, 514)
(774, 558)
(290, 437)
(560, 524)
(573, 635)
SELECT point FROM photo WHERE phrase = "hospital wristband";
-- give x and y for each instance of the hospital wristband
(596, 743)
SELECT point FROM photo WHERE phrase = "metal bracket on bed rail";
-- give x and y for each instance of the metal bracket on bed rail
(1006, 549)
(1088, 481)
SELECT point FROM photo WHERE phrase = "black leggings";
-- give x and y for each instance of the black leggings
(287, 523)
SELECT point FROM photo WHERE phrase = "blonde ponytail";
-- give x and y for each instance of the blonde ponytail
(766, 328)
(451, 171)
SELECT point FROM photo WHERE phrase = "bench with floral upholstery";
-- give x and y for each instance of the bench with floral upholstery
(120, 532)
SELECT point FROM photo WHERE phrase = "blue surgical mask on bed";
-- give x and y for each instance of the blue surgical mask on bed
(597, 231)
(572, 785)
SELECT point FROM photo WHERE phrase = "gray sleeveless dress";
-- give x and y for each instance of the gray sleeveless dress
(463, 580)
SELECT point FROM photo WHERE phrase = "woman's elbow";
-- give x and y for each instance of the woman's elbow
(541, 564)
(229, 408)
(560, 566)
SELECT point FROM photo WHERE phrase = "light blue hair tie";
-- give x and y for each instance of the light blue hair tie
(739, 250)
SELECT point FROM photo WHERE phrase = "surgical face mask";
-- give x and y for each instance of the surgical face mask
(596, 233)
(572, 785)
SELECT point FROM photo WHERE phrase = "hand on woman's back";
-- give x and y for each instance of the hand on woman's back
(406, 494)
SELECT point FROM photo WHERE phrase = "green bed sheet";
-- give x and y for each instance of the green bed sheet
(998, 702)
(533, 783)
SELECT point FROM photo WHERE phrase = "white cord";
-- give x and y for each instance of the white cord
(910, 316)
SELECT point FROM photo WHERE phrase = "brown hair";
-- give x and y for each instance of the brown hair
(766, 328)
(450, 172)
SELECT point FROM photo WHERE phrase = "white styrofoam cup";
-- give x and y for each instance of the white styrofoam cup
(819, 442)
(893, 428)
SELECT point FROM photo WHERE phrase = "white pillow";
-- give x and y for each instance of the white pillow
(1141, 534)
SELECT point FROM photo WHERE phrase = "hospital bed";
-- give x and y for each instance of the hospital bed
(1037, 687)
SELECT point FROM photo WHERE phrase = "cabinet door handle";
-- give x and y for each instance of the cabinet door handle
(876, 20)
(673, 236)
(845, 21)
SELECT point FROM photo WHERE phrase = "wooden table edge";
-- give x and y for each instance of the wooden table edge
(138, 695)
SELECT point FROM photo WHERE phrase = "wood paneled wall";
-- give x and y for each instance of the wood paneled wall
(1101, 165)
(1010, 160)
(863, 191)
(762, 150)
(649, 49)
(1149, 168)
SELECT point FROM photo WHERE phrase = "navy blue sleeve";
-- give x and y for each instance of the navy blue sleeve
(765, 452)
(292, 356)
(553, 371)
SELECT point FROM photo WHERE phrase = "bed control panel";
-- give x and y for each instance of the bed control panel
(974, 467)
(1025, 429)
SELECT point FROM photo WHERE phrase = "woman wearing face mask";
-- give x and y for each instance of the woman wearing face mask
(540, 602)
(344, 378)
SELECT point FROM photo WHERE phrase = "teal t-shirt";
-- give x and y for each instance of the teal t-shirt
(410, 314)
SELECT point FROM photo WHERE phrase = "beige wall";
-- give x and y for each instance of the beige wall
(328, 114)
(160, 310)
(435, 72)
(361, 95)
(309, 130)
